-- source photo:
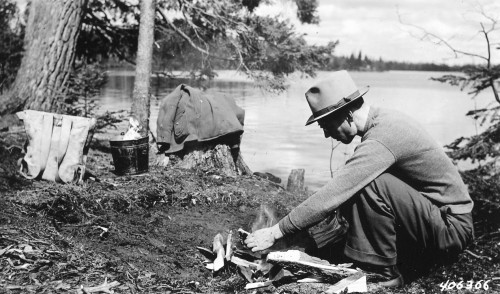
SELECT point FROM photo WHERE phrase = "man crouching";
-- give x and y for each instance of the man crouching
(398, 188)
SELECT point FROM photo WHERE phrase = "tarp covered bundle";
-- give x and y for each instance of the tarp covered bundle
(188, 115)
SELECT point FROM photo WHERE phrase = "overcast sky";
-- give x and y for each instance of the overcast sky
(373, 27)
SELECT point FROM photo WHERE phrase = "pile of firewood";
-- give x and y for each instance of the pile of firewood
(280, 267)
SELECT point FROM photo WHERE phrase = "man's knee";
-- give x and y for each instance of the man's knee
(383, 193)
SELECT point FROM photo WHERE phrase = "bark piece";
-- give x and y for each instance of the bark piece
(296, 181)
(299, 262)
(246, 273)
(248, 254)
(244, 263)
(355, 283)
(218, 248)
(207, 253)
(256, 285)
(310, 280)
(264, 267)
(229, 246)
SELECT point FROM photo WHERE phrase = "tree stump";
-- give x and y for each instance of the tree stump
(221, 157)
(296, 181)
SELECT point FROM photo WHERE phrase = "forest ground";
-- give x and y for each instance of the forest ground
(142, 231)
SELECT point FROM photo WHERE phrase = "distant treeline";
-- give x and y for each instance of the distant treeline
(355, 62)
(360, 63)
(352, 62)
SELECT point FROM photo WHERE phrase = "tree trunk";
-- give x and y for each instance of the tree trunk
(51, 34)
(141, 102)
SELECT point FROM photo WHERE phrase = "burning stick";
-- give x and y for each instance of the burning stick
(218, 249)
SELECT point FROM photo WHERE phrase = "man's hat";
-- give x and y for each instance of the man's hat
(332, 94)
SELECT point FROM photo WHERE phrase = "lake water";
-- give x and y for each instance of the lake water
(275, 138)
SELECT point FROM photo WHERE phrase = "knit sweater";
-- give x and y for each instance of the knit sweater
(392, 142)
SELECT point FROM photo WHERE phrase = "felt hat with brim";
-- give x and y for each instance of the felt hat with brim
(332, 94)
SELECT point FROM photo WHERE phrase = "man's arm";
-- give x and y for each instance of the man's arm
(370, 159)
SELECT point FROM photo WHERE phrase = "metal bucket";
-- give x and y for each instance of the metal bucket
(130, 157)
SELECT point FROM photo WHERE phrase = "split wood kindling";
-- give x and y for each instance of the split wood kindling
(292, 266)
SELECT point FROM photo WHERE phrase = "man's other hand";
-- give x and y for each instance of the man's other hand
(263, 238)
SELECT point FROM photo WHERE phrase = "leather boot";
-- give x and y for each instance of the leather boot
(387, 276)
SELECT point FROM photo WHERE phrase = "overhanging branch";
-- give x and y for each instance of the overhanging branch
(440, 41)
(182, 34)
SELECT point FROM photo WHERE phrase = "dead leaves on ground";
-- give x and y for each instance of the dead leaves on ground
(40, 263)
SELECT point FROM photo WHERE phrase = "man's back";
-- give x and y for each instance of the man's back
(419, 160)
(392, 143)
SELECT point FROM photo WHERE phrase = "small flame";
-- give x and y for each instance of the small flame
(265, 218)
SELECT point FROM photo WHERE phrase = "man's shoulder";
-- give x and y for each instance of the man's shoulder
(394, 119)
(392, 114)
(393, 127)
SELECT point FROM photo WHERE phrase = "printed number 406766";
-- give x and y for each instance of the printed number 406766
(469, 285)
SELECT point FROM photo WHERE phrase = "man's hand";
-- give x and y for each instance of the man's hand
(263, 238)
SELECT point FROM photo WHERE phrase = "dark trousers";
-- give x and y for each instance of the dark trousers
(388, 218)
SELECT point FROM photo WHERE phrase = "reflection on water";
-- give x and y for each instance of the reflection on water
(275, 138)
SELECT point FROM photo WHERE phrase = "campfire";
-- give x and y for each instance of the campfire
(263, 269)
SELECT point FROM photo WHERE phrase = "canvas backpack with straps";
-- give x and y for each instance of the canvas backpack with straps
(57, 146)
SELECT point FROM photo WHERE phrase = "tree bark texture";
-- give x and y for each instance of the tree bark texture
(141, 95)
(51, 34)
(221, 157)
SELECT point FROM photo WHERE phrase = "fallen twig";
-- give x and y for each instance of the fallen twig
(15, 287)
(476, 256)
(2, 251)
(88, 223)
(105, 287)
